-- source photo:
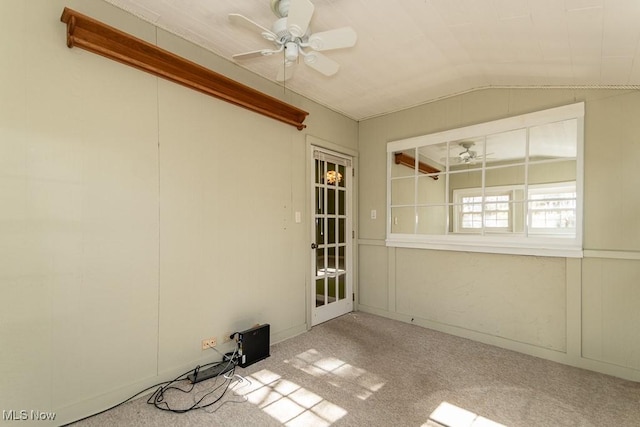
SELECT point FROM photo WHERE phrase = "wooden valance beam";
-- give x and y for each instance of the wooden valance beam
(407, 160)
(94, 36)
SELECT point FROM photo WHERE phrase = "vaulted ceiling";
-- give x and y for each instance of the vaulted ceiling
(413, 51)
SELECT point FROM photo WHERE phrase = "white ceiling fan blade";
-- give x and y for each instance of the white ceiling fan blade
(247, 23)
(285, 72)
(300, 12)
(333, 39)
(321, 63)
(253, 54)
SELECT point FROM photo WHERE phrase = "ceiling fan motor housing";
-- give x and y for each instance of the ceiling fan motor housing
(279, 28)
(280, 8)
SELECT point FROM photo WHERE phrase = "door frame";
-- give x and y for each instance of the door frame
(312, 141)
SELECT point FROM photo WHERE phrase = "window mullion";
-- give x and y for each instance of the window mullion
(447, 199)
(483, 184)
(527, 218)
(416, 173)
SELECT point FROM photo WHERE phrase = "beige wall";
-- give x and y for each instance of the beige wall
(137, 217)
(581, 312)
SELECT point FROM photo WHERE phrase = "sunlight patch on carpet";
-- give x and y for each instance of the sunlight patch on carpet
(338, 373)
(448, 415)
(287, 402)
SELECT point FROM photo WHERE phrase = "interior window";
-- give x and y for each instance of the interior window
(510, 186)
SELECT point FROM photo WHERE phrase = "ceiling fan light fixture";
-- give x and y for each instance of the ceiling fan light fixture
(291, 51)
(465, 156)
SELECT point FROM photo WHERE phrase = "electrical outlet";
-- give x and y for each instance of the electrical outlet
(209, 342)
(227, 337)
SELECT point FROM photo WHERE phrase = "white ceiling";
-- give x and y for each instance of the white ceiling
(414, 51)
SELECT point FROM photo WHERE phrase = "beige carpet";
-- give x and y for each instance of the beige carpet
(364, 370)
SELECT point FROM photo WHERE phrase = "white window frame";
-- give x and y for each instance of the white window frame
(510, 190)
(568, 187)
(527, 243)
(459, 194)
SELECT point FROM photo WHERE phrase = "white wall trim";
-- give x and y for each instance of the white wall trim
(595, 253)
(459, 244)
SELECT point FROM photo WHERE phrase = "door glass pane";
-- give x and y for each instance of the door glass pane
(331, 176)
(320, 262)
(331, 260)
(319, 231)
(319, 200)
(331, 230)
(331, 201)
(342, 230)
(341, 259)
(342, 177)
(320, 299)
(319, 171)
(342, 287)
(331, 291)
(342, 209)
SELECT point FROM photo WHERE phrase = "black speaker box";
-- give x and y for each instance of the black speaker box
(254, 345)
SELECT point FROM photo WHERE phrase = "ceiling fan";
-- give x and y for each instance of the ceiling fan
(291, 35)
(467, 156)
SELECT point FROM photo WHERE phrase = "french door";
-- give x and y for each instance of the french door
(331, 248)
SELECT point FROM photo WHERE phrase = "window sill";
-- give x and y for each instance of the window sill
(549, 246)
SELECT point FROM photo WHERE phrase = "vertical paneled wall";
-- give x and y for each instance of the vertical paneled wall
(137, 217)
(581, 314)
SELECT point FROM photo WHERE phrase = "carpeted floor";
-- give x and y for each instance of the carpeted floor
(365, 370)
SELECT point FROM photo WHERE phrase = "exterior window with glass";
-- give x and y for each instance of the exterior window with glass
(508, 186)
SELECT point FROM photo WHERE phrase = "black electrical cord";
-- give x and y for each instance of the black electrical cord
(125, 401)
(167, 385)
(158, 398)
